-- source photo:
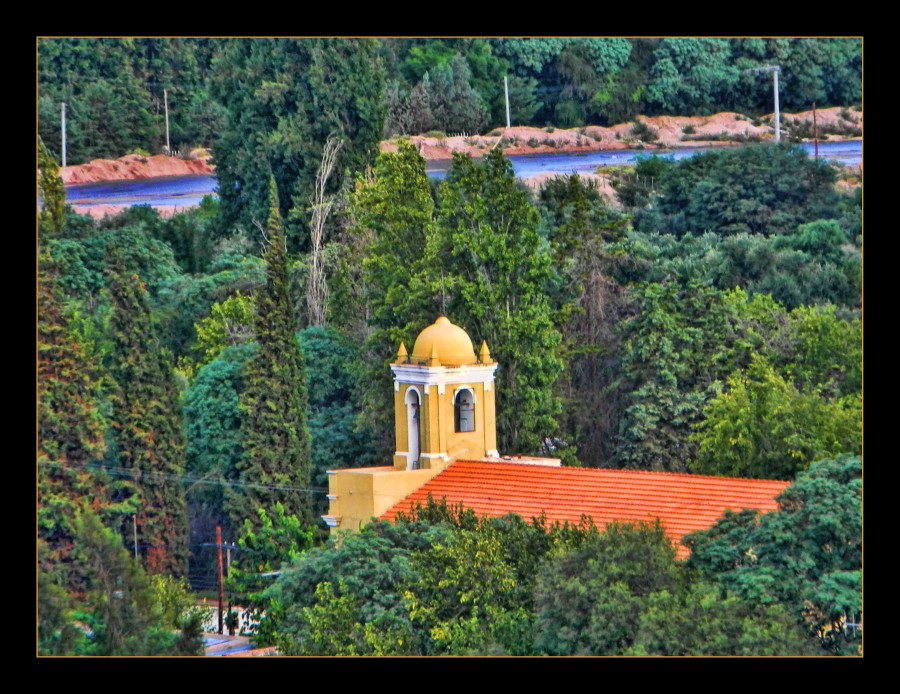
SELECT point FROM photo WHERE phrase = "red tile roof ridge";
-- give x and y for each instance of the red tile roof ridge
(685, 475)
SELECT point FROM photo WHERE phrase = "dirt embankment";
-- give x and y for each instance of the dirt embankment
(135, 166)
(658, 132)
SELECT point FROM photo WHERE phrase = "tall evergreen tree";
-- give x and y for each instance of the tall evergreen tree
(70, 428)
(148, 423)
(277, 464)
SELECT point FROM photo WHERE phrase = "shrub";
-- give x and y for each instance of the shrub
(689, 130)
(534, 142)
(643, 132)
(549, 129)
(440, 134)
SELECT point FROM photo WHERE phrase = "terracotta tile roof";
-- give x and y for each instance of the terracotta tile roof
(683, 503)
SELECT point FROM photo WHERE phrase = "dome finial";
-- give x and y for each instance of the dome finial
(434, 360)
(485, 354)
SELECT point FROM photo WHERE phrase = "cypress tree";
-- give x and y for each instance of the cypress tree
(70, 428)
(148, 424)
(276, 464)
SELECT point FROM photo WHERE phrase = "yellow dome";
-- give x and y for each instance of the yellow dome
(448, 342)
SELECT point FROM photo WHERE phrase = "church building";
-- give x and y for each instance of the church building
(446, 446)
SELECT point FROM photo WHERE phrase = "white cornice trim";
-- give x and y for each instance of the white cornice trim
(442, 376)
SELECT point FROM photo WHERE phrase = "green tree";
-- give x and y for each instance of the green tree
(466, 592)
(488, 255)
(229, 325)
(52, 193)
(393, 214)
(339, 436)
(120, 606)
(673, 351)
(762, 426)
(369, 573)
(760, 265)
(827, 71)
(215, 446)
(333, 625)
(826, 351)
(455, 104)
(699, 620)
(266, 544)
(113, 89)
(523, 100)
(692, 76)
(284, 98)
(589, 601)
(587, 303)
(807, 555)
(276, 466)
(770, 190)
(586, 69)
(147, 421)
(70, 430)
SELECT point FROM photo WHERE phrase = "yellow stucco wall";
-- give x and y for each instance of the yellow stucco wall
(437, 435)
(357, 495)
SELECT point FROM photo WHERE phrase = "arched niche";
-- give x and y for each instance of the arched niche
(464, 410)
(413, 402)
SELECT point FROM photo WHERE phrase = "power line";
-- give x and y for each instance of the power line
(129, 472)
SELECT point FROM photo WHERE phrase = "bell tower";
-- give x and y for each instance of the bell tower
(443, 399)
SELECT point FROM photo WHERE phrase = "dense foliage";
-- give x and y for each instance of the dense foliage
(806, 556)
(711, 323)
(443, 582)
(272, 102)
(283, 98)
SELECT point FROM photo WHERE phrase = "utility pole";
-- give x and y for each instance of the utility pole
(166, 103)
(228, 549)
(774, 69)
(815, 131)
(506, 89)
(64, 133)
(777, 111)
(221, 580)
